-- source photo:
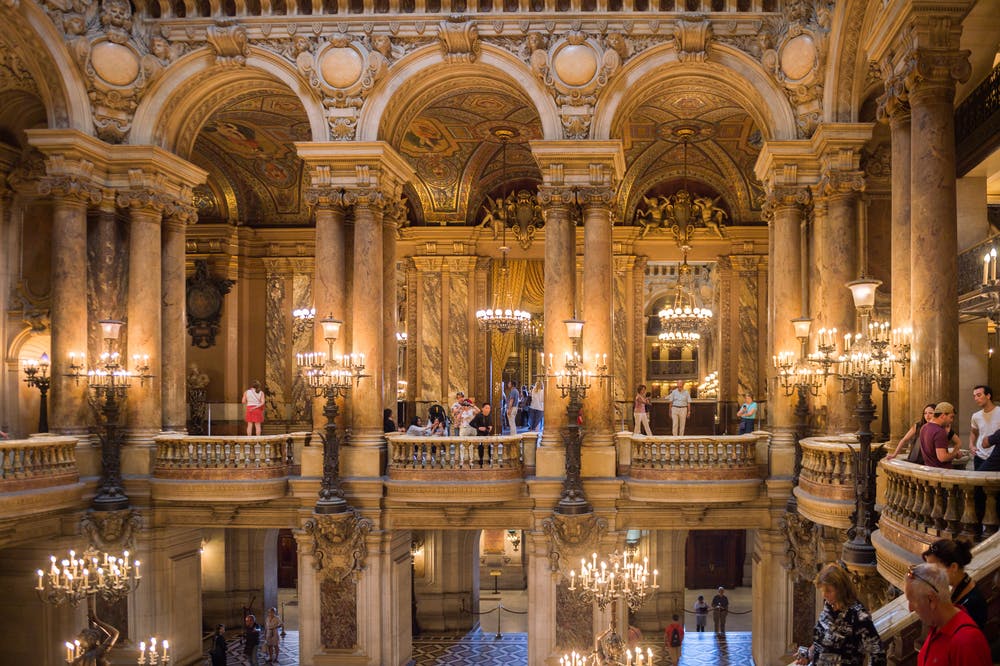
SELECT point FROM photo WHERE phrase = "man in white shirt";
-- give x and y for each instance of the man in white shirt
(680, 403)
(984, 423)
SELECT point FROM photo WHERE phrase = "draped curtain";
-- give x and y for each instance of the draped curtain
(511, 292)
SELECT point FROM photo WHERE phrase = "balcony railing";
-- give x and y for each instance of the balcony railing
(39, 462)
(723, 457)
(827, 483)
(502, 455)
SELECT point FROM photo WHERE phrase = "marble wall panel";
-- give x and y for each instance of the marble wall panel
(276, 352)
(619, 335)
(748, 326)
(574, 621)
(430, 356)
(107, 280)
(459, 352)
(302, 342)
(338, 609)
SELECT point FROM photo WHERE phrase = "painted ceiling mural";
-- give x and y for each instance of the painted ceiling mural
(449, 139)
(720, 155)
(247, 147)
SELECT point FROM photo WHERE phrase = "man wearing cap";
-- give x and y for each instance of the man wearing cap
(934, 437)
(720, 609)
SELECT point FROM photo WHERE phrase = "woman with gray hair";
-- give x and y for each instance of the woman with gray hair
(953, 638)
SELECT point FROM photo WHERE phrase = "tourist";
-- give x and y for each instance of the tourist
(218, 650)
(953, 555)
(720, 609)
(251, 639)
(388, 425)
(513, 398)
(466, 413)
(912, 437)
(673, 636)
(844, 633)
(985, 422)
(253, 398)
(680, 402)
(482, 423)
(700, 613)
(954, 638)
(640, 411)
(934, 441)
(456, 412)
(747, 414)
(992, 462)
(417, 428)
(537, 413)
(271, 638)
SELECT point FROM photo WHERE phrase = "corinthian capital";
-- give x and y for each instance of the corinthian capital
(783, 196)
(895, 101)
(321, 198)
(555, 196)
(371, 198)
(931, 72)
(70, 188)
(600, 196)
(143, 198)
(840, 181)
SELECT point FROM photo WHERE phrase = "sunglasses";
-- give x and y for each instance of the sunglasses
(913, 575)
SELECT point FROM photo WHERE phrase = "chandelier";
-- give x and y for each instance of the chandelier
(498, 317)
(684, 322)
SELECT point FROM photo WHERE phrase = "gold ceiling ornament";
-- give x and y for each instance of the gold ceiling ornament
(500, 316)
(681, 212)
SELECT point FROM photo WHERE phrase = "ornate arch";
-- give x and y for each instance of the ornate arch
(727, 70)
(171, 114)
(845, 64)
(26, 29)
(427, 66)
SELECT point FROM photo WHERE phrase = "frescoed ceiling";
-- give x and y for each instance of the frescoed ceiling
(720, 157)
(449, 139)
(255, 176)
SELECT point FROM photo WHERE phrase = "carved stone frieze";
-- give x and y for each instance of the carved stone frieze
(13, 75)
(70, 187)
(111, 530)
(229, 42)
(801, 551)
(459, 40)
(572, 537)
(338, 543)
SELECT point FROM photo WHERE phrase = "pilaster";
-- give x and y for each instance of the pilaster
(772, 599)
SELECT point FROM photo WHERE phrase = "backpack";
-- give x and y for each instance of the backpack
(675, 638)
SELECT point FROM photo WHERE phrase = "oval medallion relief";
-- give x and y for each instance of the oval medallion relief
(798, 57)
(341, 66)
(115, 63)
(575, 64)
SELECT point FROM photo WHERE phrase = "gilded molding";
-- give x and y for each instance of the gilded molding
(229, 42)
(111, 530)
(572, 537)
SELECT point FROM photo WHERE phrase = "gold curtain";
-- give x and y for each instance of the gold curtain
(534, 285)
(507, 295)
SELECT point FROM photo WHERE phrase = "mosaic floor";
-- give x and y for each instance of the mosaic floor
(484, 649)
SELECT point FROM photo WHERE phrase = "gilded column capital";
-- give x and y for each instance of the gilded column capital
(784, 196)
(324, 198)
(894, 103)
(143, 199)
(371, 198)
(556, 196)
(834, 182)
(596, 196)
(932, 73)
(70, 188)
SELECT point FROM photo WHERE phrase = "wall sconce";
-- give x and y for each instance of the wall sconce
(514, 536)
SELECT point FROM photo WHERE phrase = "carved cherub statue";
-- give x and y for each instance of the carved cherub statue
(657, 210)
(712, 216)
(195, 378)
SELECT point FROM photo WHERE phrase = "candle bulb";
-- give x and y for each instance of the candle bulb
(986, 273)
(993, 264)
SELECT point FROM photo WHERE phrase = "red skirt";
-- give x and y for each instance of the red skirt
(255, 414)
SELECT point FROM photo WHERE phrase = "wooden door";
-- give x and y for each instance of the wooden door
(288, 560)
(714, 558)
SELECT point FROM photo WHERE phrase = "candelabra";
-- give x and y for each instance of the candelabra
(514, 536)
(867, 360)
(152, 657)
(109, 382)
(73, 579)
(573, 381)
(37, 375)
(625, 579)
(331, 378)
(803, 376)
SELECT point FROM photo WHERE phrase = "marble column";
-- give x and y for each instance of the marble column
(896, 108)
(785, 278)
(106, 266)
(598, 292)
(390, 315)
(143, 409)
(174, 324)
(367, 323)
(836, 264)
(68, 410)
(933, 223)
(772, 599)
(329, 287)
(560, 288)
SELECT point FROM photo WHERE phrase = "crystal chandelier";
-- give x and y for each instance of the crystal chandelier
(684, 322)
(498, 317)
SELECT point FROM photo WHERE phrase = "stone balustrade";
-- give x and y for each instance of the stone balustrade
(38, 462)
(923, 504)
(826, 491)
